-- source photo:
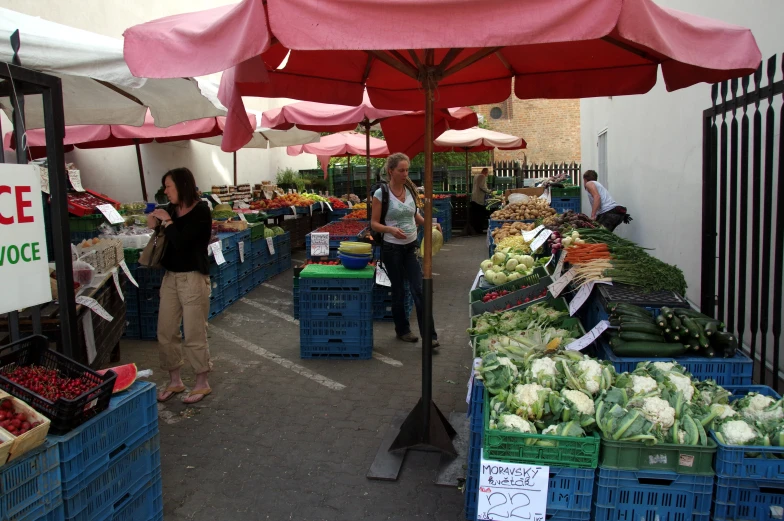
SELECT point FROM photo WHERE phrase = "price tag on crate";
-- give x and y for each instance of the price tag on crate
(350, 205)
(581, 296)
(328, 206)
(588, 338)
(44, 175)
(529, 236)
(124, 267)
(241, 246)
(270, 246)
(540, 240)
(319, 244)
(216, 198)
(110, 213)
(477, 363)
(209, 203)
(215, 247)
(294, 210)
(95, 307)
(76, 180)
(557, 287)
(381, 276)
(512, 491)
(116, 277)
(559, 267)
(242, 216)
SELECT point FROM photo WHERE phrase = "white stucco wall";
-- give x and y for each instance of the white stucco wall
(655, 145)
(115, 171)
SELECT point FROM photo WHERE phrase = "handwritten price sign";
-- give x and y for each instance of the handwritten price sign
(512, 491)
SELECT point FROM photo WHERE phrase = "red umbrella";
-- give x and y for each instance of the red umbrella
(108, 136)
(564, 49)
(401, 128)
(342, 144)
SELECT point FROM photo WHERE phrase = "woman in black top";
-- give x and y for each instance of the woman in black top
(185, 290)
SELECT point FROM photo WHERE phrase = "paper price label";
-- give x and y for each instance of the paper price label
(76, 180)
(559, 267)
(44, 175)
(128, 273)
(116, 277)
(319, 244)
(588, 338)
(216, 198)
(293, 210)
(110, 213)
(581, 296)
(241, 245)
(512, 491)
(242, 217)
(321, 204)
(529, 236)
(270, 246)
(95, 307)
(209, 203)
(557, 287)
(217, 253)
(381, 276)
(540, 240)
(477, 363)
(328, 206)
(350, 205)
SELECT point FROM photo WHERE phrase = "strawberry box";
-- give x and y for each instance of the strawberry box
(85, 203)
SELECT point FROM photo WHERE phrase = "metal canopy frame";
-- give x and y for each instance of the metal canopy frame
(17, 83)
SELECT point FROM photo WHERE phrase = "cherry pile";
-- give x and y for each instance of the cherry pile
(15, 423)
(495, 294)
(526, 300)
(48, 383)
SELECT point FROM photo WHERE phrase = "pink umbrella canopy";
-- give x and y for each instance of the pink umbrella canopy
(338, 145)
(477, 140)
(565, 49)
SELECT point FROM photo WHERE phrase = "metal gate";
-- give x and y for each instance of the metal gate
(743, 214)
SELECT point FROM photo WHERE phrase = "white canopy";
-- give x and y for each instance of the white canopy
(83, 60)
(479, 138)
(266, 138)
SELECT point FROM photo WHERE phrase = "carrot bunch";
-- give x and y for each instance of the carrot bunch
(582, 253)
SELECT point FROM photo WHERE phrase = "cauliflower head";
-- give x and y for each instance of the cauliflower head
(682, 383)
(580, 400)
(544, 366)
(513, 423)
(664, 366)
(527, 394)
(761, 408)
(552, 429)
(658, 412)
(738, 432)
(591, 373)
(643, 384)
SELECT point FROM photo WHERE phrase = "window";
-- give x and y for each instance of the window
(602, 171)
(496, 113)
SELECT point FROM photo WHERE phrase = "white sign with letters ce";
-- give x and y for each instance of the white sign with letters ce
(24, 265)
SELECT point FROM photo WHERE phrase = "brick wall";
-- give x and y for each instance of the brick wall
(551, 128)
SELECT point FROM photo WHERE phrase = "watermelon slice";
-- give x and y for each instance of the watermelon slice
(126, 375)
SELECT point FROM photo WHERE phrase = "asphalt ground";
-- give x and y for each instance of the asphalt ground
(284, 438)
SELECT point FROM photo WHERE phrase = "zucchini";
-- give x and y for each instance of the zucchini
(632, 308)
(710, 352)
(676, 324)
(688, 312)
(667, 312)
(694, 329)
(649, 349)
(640, 327)
(632, 336)
(672, 336)
(615, 322)
(711, 327)
(726, 342)
(625, 313)
(661, 321)
(629, 318)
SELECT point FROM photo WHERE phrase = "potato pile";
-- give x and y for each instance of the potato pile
(511, 229)
(532, 209)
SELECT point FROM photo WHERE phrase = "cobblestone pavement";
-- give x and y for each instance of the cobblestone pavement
(283, 438)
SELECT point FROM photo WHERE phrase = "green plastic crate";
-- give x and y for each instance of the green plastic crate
(88, 223)
(515, 447)
(529, 280)
(132, 255)
(479, 307)
(681, 459)
(256, 217)
(557, 303)
(256, 230)
(566, 191)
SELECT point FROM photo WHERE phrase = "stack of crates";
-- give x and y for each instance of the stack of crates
(263, 261)
(334, 241)
(110, 466)
(572, 462)
(442, 211)
(132, 310)
(244, 262)
(564, 199)
(382, 302)
(30, 486)
(149, 280)
(282, 257)
(749, 480)
(336, 312)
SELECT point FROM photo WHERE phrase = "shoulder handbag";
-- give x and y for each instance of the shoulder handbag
(152, 255)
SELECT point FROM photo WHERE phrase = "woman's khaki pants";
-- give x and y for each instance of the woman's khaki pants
(184, 297)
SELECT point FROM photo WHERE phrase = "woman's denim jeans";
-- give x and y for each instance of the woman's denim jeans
(402, 265)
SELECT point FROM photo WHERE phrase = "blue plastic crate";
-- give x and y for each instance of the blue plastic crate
(245, 284)
(261, 250)
(228, 274)
(335, 303)
(744, 499)
(230, 294)
(28, 482)
(131, 414)
(564, 204)
(216, 305)
(336, 285)
(336, 215)
(228, 241)
(243, 236)
(725, 371)
(146, 504)
(336, 351)
(476, 409)
(283, 263)
(758, 463)
(472, 474)
(132, 327)
(263, 273)
(48, 508)
(651, 495)
(282, 244)
(149, 301)
(149, 277)
(232, 256)
(105, 486)
(148, 326)
(55, 511)
(244, 268)
(336, 338)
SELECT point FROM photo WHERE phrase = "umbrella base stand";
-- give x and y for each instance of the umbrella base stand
(408, 435)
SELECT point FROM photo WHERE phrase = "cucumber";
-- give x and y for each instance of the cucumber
(629, 318)
(727, 343)
(649, 349)
(624, 313)
(711, 327)
(640, 327)
(672, 336)
(688, 312)
(667, 312)
(632, 336)
(661, 321)
(676, 324)
(710, 352)
(694, 329)
(615, 322)
(632, 308)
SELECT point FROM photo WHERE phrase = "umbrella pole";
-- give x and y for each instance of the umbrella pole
(141, 168)
(468, 229)
(235, 167)
(366, 124)
(426, 427)
(349, 186)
